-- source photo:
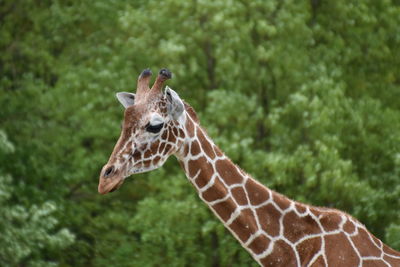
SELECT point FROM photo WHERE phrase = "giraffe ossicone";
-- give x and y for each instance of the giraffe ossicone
(275, 230)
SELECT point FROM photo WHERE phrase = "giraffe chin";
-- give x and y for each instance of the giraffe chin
(106, 186)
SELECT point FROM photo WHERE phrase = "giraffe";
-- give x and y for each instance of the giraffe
(275, 230)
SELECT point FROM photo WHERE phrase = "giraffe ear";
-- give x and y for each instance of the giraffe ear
(175, 104)
(126, 99)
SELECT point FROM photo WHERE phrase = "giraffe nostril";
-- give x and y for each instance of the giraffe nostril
(108, 171)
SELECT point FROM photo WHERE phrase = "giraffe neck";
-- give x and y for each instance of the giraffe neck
(236, 199)
(275, 230)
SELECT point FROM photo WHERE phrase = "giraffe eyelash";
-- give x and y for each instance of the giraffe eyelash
(154, 128)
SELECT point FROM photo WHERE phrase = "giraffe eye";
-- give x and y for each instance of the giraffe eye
(154, 128)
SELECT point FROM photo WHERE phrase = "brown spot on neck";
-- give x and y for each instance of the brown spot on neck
(239, 195)
(215, 192)
(269, 219)
(191, 121)
(339, 251)
(365, 245)
(225, 209)
(244, 225)
(257, 193)
(194, 148)
(349, 227)
(229, 172)
(259, 244)
(205, 143)
(282, 255)
(296, 227)
(282, 201)
(203, 169)
(330, 220)
(307, 249)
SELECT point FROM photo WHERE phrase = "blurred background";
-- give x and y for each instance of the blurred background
(303, 95)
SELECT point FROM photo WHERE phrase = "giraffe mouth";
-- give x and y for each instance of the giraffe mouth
(106, 186)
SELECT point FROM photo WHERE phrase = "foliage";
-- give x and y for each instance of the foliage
(28, 233)
(301, 94)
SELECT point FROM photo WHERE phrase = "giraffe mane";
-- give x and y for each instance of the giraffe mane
(189, 109)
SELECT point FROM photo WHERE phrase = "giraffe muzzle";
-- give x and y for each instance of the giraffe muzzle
(108, 185)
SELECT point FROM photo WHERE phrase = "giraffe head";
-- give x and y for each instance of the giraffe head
(152, 130)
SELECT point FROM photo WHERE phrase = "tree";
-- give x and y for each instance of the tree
(28, 233)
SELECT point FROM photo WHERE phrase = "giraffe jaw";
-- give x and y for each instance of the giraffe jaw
(109, 185)
(141, 170)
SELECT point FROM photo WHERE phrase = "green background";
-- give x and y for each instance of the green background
(303, 95)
